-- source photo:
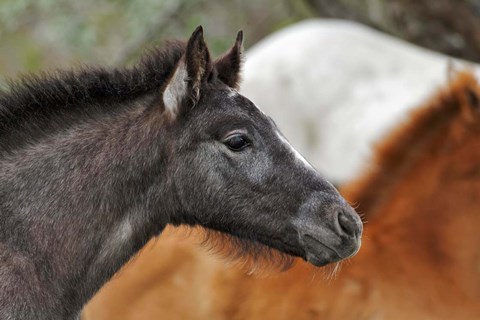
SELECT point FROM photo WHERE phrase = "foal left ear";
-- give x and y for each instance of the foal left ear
(228, 66)
(192, 70)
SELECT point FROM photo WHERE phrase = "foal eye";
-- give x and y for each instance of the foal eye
(237, 142)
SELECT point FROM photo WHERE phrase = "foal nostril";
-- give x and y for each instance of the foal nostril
(348, 224)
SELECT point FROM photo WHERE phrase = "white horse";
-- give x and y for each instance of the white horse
(345, 84)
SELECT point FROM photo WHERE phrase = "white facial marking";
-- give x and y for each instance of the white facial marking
(232, 93)
(295, 152)
(260, 110)
(176, 89)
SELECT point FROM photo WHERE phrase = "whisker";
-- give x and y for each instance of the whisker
(336, 269)
(354, 204)
(314, 274)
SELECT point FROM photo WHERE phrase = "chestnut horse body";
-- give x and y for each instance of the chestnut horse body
(420, 258)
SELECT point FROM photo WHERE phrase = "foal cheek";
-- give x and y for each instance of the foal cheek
(200, 188)
(257, 169)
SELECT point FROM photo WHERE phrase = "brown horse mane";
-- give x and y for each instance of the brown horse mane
(396, 153)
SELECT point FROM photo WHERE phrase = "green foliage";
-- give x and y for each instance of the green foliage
(42, 34)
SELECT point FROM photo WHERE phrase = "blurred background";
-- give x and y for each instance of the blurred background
(307, 73)
(38, 34)
(57, 33)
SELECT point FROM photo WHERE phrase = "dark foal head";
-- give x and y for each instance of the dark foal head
(239, 175)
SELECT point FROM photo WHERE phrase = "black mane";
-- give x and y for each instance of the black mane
(33, 101)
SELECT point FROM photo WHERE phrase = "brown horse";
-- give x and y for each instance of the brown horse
(420, 260)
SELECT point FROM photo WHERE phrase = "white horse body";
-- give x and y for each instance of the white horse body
(345, 84)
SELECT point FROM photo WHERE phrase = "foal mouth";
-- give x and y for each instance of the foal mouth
(318, 253)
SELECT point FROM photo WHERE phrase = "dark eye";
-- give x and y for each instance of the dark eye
(237, 142)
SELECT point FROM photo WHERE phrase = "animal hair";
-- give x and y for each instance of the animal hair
(419, 259)
(230, 64)
(36, 104)
(250, 256)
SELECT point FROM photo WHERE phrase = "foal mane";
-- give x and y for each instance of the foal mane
(35, 104)
(399, 151)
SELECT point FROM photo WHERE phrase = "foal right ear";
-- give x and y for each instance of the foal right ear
(228, 66)
(184, 86)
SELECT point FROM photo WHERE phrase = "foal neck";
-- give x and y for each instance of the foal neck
(79, 203)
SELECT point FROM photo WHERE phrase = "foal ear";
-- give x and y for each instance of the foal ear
(228, 66)
(192, 69)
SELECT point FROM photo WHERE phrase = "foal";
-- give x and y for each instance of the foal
(420, 260)
(94, 163)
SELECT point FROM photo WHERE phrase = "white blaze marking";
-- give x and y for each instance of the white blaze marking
(258, 108)
(232, 93)
(295, 152)
(280, 136)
